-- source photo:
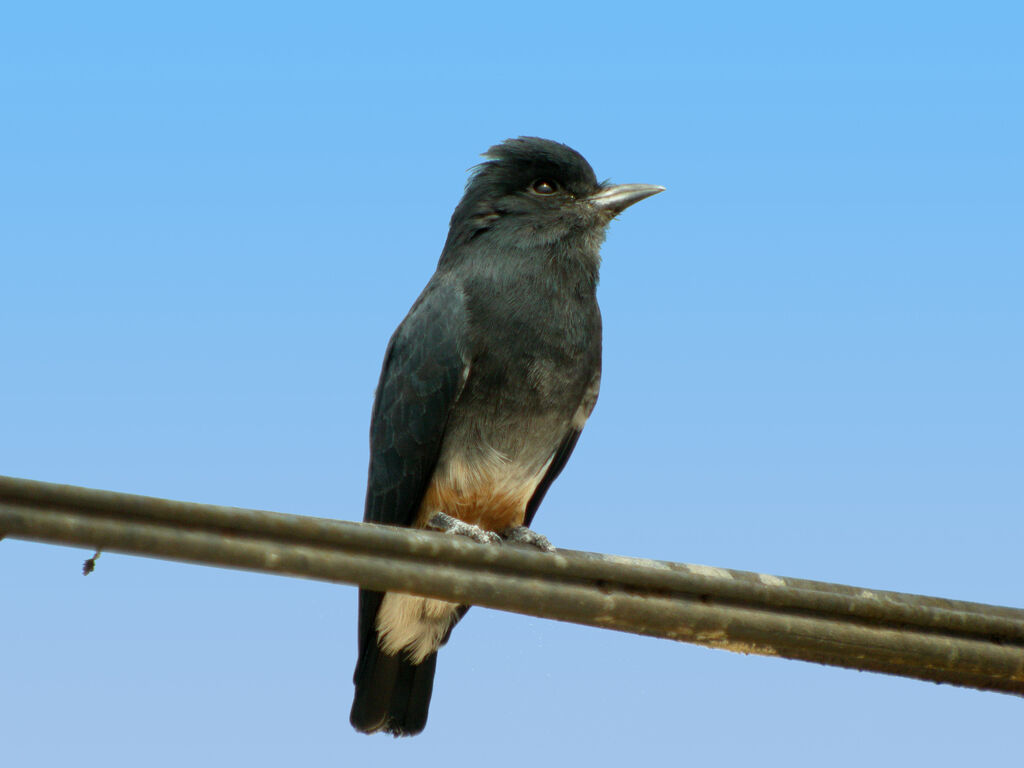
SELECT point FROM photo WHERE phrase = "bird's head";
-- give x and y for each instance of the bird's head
(535, 194)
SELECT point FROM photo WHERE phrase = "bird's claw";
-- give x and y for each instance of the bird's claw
(523, 535)
(455, 527)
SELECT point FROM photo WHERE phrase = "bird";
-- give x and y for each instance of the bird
(485, 388)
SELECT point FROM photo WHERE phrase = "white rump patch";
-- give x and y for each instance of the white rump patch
(413, 624)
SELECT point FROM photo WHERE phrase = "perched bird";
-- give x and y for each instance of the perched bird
(485, 388)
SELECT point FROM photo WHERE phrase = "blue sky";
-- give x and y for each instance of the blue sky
(214, 216)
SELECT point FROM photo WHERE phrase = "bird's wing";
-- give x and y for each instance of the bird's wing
(565, 448)
(554, 470)
(424, 371)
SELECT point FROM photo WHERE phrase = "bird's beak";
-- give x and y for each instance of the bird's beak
(618, 197)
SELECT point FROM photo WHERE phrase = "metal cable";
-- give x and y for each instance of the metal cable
(968, 644)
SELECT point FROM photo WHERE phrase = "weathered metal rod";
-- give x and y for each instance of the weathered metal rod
(961, 643)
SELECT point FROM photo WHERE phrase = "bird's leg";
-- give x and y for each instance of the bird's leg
(448, 524)
(520, 534)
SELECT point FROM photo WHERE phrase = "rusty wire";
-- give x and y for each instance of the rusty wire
(968, 644)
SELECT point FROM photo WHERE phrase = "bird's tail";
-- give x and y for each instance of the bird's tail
(392, 693)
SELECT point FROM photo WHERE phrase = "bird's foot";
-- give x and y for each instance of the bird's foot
(451, 525)
(520, 534)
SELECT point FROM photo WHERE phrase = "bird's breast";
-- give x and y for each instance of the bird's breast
(535, 353)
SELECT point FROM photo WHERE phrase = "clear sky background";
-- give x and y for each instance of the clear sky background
(212, 216)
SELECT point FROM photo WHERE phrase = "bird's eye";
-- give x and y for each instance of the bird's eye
(544, 187)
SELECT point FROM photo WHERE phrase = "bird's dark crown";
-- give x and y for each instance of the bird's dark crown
(515, 164)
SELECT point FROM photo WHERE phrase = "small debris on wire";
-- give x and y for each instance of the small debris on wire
(90, 565)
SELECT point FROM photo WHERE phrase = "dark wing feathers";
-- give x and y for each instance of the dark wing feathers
(554, 470)
(423, 374)
(565, 450)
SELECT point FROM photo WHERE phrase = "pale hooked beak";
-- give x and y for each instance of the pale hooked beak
(618, 197)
